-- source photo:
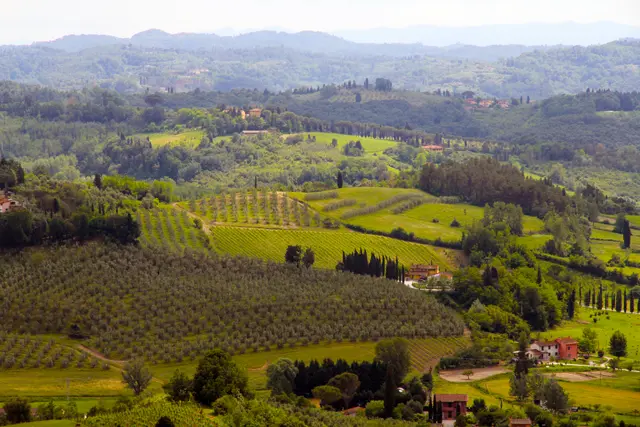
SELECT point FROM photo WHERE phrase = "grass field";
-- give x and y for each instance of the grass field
(54, 382)
(424, 354)
(191, 138)
(431, 220)
(271, 244)
(628, 324)
(370, 145)
(587, 393)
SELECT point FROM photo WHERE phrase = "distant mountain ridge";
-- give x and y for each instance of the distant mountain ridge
(309, 41)
(565, 33)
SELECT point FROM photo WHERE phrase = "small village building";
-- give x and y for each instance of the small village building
(452, 405)
(353, 412)
(433, 148)
(420, 272)
(7, 204)
(520, 422)
(255, 132)
(255, 112)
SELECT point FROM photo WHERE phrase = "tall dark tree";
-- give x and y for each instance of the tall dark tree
(97, 181)
(619, 301)
(293, 255)
(340, 181)
(571, 304)
(389, 392)
(626, 234)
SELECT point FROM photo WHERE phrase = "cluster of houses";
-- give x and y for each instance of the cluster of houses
(452, 406)
(487, 103)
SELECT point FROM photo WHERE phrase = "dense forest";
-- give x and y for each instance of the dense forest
(304, 62)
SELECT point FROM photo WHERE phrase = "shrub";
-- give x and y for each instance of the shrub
(225, 405)
(455, 223)
(374, 409)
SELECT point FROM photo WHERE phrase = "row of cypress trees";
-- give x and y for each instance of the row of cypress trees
(360, 263)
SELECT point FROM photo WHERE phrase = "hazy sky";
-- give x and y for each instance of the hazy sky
(24, 21)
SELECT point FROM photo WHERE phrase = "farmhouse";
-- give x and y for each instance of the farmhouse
(452, 405)
(255, 112)
(433, 148)
(254, 132)
(7, 204)
(560, 348)
(419, 272)
(520, 422)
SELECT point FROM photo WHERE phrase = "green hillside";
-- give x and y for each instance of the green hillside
(385, 209)
(328, 245)
(165, 307)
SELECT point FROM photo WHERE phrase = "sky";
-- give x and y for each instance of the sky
(26, 21)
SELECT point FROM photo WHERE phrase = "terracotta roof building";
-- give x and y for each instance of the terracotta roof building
(452, 405)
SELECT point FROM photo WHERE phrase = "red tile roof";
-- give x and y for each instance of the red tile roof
(567, 340)
(451, 398)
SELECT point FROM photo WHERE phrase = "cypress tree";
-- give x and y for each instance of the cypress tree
(624, 308)
(631, 303)
(340, 180)
(626, 234)
(389, 393)
(571, 304)
(539, 279)
(587, 298)
(619, 301)
(593, 298)
(600, 298)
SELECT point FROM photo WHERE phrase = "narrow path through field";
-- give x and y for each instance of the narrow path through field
(100, 356)
(205, 226)
(117, 364)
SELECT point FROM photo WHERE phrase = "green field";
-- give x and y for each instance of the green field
(370, 145)
(424, 354)
(587, 393)
(271, 244)
(431, 220)
(628, 324)
(55, 382)
(191, 138)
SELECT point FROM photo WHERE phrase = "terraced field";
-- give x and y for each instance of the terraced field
(426, 216)
(170, 227)
(271, 244)
(425, 354)
(256, 208)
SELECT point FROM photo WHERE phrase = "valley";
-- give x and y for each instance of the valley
(294, 229)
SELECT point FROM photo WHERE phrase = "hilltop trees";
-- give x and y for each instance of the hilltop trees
(485, 180)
